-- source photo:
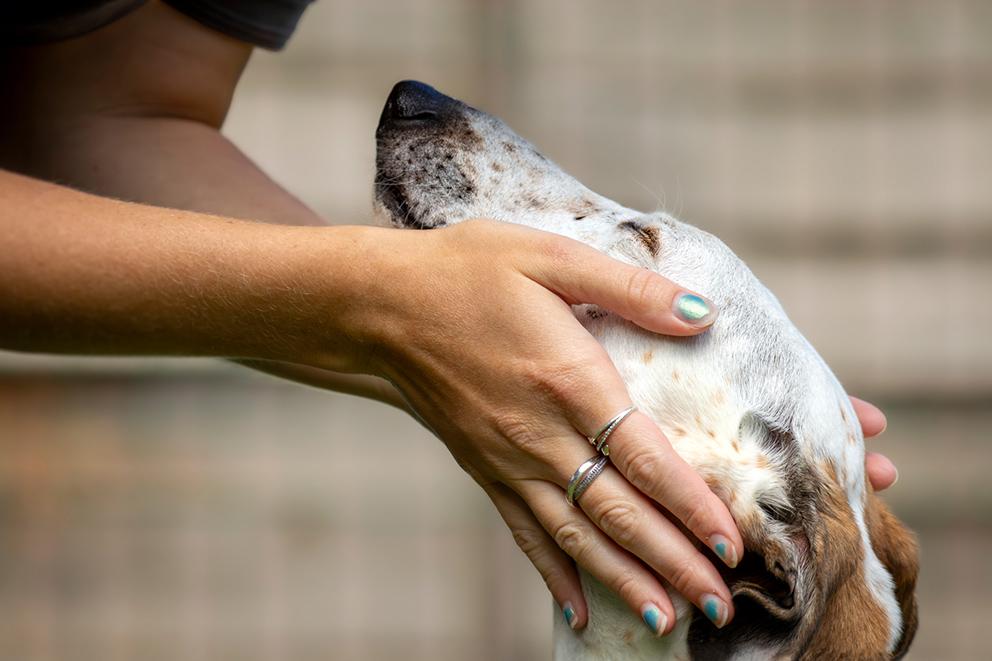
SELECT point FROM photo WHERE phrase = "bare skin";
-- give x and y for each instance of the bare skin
(395, 316)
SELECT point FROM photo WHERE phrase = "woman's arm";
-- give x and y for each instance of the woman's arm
(91, 114)
(87, 274)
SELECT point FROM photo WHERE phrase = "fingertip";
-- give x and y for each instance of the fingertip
(872, 419)
(882, 473)
(574, 617)
(697, 313)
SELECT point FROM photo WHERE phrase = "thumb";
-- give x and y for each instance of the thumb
(581, 274)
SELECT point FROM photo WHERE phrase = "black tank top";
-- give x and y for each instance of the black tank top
(265, 23)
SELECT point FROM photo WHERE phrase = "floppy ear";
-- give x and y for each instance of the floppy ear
(898, 550)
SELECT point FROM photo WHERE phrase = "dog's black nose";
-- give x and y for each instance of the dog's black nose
(411, 100)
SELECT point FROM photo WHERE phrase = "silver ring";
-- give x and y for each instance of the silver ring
(584, 476)
(599, 440)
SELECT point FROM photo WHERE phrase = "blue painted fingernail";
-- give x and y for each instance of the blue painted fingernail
(569, 614)
(655, 619)
(694, 309)
(715, 610)
(723, 548)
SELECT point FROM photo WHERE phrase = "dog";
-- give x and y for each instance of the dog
(829, 572)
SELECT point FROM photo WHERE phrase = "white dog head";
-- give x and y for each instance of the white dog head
(829, 572)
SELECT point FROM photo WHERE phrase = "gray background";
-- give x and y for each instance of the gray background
(190, 510)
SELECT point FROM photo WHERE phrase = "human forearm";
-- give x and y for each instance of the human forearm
(92, 275)
(167, 161)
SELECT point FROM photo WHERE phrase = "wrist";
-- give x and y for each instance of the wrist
(331, 297)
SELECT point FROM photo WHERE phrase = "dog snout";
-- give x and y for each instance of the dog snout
(411, 101)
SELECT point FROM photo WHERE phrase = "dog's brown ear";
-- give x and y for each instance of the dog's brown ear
(898, 550)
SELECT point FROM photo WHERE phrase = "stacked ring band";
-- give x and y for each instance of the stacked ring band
(599, 440)
(584, 476)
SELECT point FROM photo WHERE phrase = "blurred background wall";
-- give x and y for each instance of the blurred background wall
(190, 510)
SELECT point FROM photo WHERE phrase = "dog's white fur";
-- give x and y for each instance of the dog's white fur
(717, 396)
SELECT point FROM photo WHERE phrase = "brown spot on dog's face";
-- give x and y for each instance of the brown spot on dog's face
(649, 236)
(534, 202)
(582, 209)
(675, 375)
(496, 166)
(648, 356)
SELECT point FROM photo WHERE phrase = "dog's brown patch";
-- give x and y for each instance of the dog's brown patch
(855, 625)
(648, 356)
(899, 551)
(647, 235)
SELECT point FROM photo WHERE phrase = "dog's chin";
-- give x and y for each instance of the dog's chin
(395, 206)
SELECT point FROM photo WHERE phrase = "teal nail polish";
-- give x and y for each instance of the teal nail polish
(715, 610)
(692, 308)
(655, 619)
(569, 614)
(723, 548)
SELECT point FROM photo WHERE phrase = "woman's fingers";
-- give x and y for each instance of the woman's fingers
(554, 565)
(630, 520)
(649, 462)
(580, 274)
(882, 473)
(642, 453)
(872, 419)
(592, 550)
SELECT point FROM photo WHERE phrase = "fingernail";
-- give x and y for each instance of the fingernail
(694, 309)
(569, 614)
(715, 610)
(897, 477)
(655, 619)
(723, 548)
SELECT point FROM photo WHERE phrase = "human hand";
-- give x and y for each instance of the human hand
(881, 471)
(470, 447)
(473, 325)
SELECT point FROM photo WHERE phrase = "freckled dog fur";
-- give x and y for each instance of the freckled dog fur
(829, 573)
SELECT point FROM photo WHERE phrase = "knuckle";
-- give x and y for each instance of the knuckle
(521, 433)
(643, 469)
(530, 541)
(644, 289)
(627, 586)
(620, 520)
(695, 513)
(559, 382)
(572, 539)
(682, 576)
